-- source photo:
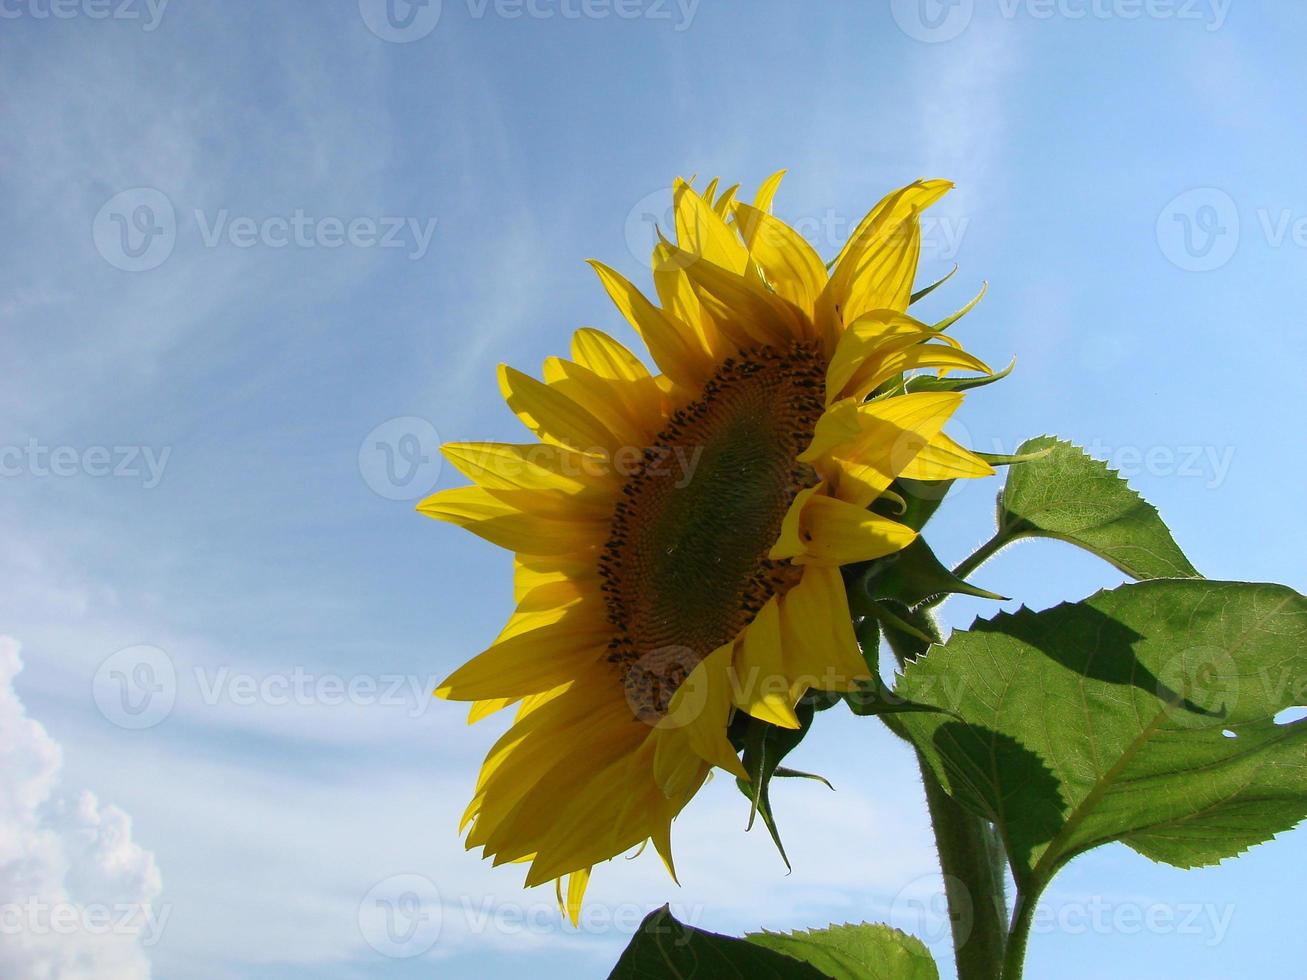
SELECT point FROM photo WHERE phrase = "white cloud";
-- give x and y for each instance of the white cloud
(76, 892)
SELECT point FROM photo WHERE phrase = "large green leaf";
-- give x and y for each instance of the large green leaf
(861, 952)
(664, 948)
(1145, 714)
(1073, 497)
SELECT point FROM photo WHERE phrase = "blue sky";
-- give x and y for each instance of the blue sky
(345, 234)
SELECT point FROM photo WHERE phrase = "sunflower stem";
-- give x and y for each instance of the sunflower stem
(1022, 919)
(983, 554)
(970, 855)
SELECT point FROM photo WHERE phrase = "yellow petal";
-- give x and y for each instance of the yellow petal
(833, 532)
(790, 539)
(877, 371)
(530, 572)
(534, 466)
(743, 308)
(767, 192)
(501, 523)
(553, 416)
(484, 709)
(526, 663)
(944, 459)
(849, 426)
(882, 230)
(762, 684)
(614, 404)
(792, 267)
(702, 232)
(701, 708)
(884, 279)
(606, 357)
(892, 208)
(675, 349)
(871, 336)
(576, 885)
(726, 201)
(817, 632)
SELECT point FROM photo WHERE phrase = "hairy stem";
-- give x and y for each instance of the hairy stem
(970, 855)
(982, 554)
(973, 865)
(1022, 918)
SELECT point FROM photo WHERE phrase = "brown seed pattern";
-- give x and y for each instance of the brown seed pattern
(685, 567)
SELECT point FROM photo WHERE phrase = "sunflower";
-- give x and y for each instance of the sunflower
(679, 535)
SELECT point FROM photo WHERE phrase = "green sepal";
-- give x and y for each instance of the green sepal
(917, 501)
(953, 318)
(764, 745)
(1011, 459)
(929, 382)
(913, 575)
(783, 773)
(925, 291)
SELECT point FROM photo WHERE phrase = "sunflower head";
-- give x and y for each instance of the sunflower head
(680, 533)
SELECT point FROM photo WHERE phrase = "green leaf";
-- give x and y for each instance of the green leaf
(862, 952)
(664, 948)
(1073, 497)
(914, 575)
(1144, 715)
